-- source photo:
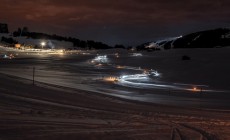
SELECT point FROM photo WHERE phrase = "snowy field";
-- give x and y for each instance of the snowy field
(160, 77)
(115, 94)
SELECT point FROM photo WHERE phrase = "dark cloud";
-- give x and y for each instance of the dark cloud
(115, 18)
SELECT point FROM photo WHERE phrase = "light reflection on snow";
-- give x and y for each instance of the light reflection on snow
(148, 79)
(141, 80)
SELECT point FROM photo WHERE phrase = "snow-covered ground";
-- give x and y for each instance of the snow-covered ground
(126, 75)
(207, 67)
(49, 110)
(41, 112)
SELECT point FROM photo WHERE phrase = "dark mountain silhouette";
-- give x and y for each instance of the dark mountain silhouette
(204, 39)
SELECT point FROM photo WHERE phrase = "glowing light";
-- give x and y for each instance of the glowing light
(139, 81)
(155, 73)
(137, 54)
(117, 55)
(60, 51)
(195, 89)
(111, 79)
(101, 59)
(151, 72)
(120, 67)
(86, 53)
(5, 56)
(11, 56)
(134, 77)
(43, 44)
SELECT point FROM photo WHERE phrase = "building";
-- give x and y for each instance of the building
(4, 28)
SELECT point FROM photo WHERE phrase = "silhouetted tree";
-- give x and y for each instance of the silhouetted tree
(25, 31)
(89, 44)
(20, 31)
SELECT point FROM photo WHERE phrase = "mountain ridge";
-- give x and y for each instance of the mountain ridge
(219, 37)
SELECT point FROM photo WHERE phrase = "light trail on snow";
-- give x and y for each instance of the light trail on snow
(149, 79)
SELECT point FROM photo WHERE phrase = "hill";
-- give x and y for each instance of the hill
(203, 39)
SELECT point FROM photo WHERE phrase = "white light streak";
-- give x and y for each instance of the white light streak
(100, 59)
(137, 54)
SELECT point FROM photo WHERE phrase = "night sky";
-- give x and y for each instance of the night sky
(128, 22)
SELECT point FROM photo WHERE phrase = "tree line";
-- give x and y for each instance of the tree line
(88, 44)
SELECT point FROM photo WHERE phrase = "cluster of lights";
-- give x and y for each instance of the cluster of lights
(151, 73)
(111, 79)
(117, 55)
(100, 59)
(11, 56)
(139, 80)
(144, 76)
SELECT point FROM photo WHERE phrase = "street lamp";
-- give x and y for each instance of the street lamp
(43, 44)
